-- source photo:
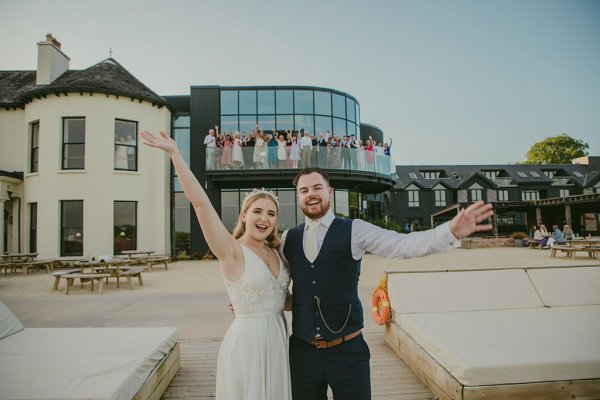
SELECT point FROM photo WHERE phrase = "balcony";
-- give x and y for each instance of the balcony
(356, 170)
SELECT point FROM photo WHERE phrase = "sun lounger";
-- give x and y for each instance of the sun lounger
(502, 334)
(84, 363)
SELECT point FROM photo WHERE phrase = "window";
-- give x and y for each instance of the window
(413, 197)
(430, 174)
(228, 123)
(284, 102)
(34, 150)
(351, 109)
(71, 228)
(247, 123)
(564, 193)
(527, 195)
(285, 122)
(73, 151)
(339, 106)
(534, 174)
(33, 227)
(578, 174)
(522, 174)
(266, 122)
(412, 175)
(303, 102)
(181, 224)
(125, 145)
(491, 174)
(503, 195)
(305, 122)
(229, 102)
(476, 192)
(266, 102)
(339, 126)
(322, 103)
(322, 124)
(549, 174)
(440, 197)
(125, 226)
(247, 101)
(342, 204)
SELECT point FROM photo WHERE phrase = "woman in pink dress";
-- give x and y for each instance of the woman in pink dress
(226, 155)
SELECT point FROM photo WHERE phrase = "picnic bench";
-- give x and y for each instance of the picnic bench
(151, 261)
(534, 244)
(571, 250)
(120, 272)
(85, 277)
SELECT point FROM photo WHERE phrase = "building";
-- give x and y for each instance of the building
(522, 194)
(359, 181)
(75, 182)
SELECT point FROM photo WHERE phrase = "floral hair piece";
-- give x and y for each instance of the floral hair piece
(256, 192)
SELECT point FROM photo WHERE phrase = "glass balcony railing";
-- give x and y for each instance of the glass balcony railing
(269, 158)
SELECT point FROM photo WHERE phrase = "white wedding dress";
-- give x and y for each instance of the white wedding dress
(253, 358)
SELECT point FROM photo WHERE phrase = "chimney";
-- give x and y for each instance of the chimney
(52, 62)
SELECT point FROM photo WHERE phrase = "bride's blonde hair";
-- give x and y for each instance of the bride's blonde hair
(273, 239)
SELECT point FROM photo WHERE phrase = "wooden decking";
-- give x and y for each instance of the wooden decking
(390, 377)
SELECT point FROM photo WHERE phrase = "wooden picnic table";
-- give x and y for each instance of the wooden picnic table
(131, 253)
(583, 241)
(18, 257)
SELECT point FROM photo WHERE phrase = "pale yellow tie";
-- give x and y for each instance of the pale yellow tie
(311, 247)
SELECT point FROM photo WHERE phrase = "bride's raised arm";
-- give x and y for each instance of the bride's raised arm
(221, 242)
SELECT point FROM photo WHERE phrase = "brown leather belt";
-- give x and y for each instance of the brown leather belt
(323, 344)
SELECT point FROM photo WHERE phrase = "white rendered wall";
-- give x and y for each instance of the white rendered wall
(11, 144)
(98, 185)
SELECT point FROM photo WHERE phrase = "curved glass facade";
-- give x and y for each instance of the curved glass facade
(313, 109)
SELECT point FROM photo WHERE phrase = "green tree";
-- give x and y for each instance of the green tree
(561, 149)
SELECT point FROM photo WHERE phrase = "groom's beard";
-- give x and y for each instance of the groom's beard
(317, 211)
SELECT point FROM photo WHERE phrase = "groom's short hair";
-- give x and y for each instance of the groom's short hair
(308, 171)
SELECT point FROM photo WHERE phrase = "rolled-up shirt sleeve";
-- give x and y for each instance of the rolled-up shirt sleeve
(367, 237)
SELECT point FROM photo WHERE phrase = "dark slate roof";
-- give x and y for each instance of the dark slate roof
(17, 88)
(455, 176)
(14, 84)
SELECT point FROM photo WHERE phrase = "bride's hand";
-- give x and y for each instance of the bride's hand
(163, 142)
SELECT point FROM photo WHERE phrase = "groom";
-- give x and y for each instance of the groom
(324, 255)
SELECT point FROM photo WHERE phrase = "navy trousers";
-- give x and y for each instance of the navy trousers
(345, 368)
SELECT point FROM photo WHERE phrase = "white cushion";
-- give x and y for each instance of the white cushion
(9, 323)
(80, 363)
(567, 286)
(511, 346)
(461, 291)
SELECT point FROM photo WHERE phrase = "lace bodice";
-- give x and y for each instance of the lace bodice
(258, 290)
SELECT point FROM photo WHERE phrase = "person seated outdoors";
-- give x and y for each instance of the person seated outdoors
(568, 232)
(544, 231)
(532, 232)
(539, 237)
(558, 237)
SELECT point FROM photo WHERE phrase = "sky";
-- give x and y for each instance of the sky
(449, 81)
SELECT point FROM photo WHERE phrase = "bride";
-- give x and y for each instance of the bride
(253, 358)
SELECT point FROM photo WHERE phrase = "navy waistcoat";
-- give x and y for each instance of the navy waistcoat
(329, 283)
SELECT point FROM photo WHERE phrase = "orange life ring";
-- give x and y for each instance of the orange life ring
(381, 307)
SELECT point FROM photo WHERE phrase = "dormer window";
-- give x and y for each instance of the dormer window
(491, 174)
(549, 173)
(430, 174)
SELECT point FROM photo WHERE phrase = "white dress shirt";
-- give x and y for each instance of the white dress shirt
(367, 237)
(305, 141)
(209, 141)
